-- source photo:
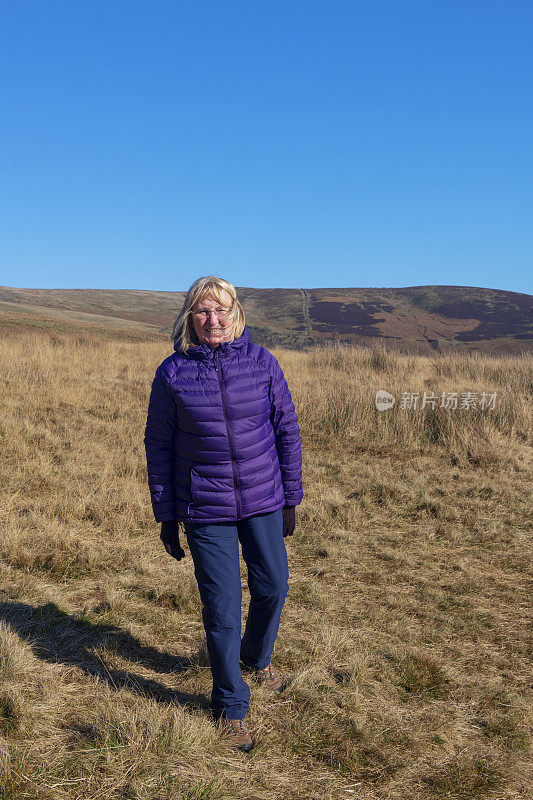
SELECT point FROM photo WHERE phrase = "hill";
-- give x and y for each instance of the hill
(416, 319)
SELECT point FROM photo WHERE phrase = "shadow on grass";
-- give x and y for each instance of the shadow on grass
(55, 636)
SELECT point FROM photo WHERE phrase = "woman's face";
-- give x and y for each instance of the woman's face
(209, 328)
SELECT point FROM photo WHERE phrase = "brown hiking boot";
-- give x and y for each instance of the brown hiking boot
(237, 733)
(270, 677)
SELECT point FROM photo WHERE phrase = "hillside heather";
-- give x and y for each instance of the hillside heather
(404, 633)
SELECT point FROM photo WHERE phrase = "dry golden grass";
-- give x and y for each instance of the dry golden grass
(404, 634)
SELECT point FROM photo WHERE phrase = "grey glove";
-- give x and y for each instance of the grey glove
(171, 539)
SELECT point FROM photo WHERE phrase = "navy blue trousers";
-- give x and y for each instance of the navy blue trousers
(215, 552)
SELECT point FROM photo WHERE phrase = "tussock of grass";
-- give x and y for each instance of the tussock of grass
(464, 779)
(421, 676)
(11, 710)
(405, 633)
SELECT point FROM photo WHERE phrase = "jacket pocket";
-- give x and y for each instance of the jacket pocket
(194, 479)
(276, 471)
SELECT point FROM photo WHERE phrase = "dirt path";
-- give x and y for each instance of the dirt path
(307, 321)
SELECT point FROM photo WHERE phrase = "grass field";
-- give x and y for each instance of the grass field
(405, 632)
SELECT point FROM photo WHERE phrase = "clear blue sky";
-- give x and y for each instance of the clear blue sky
(274, 142)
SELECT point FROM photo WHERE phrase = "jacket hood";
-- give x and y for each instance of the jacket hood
(203, 352)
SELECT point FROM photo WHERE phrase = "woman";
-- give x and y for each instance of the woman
(224, 458)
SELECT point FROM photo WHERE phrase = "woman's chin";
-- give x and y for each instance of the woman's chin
(214, 339)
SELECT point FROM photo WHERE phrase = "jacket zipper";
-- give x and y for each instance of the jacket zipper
(231, 438)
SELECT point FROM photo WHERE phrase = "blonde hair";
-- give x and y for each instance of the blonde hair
(183, 332)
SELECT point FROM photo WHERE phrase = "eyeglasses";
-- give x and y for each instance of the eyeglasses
(220, 313)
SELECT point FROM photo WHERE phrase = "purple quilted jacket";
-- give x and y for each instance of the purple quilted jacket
(222, 438)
